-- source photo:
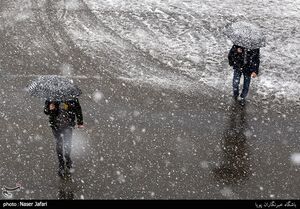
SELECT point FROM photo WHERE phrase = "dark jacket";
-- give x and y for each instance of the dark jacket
(64, 117)
(247, 61)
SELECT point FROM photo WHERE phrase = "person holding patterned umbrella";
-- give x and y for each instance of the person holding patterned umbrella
(244, 62)
(244, 55)
(64, 110)
(62, 115)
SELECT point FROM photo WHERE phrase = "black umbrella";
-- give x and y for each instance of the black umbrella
(53, 87)
(246, 35)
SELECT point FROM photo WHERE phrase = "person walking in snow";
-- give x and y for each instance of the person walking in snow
(244, 62)
(62, 115)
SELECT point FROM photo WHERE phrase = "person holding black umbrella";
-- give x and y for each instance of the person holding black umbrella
(62, 115)
(244, 62)
(63, 107)
(244, 55)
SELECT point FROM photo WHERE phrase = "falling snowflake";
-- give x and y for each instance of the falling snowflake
(295, 157)
(97, 96)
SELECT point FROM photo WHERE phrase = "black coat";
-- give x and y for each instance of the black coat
(71, 111)
(247, 61)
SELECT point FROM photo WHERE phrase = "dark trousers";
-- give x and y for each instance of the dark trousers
(236, 83)
(63, 138)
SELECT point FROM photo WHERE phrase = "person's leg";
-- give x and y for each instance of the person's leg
(59, 149)
(68, 146)
(247, 80)
(236, 82)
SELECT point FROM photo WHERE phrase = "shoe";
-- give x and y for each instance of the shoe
(69, 168)
(69, 164)
(68, 174)
(61, 173)
(242, 102)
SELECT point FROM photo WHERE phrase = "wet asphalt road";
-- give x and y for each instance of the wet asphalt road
(138, 142)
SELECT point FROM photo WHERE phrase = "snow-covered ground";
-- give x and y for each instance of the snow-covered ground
(147, 144)
(178, 44)
(188, 37)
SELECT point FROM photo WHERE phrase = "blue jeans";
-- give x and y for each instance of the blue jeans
(63, 138)
(236, 82)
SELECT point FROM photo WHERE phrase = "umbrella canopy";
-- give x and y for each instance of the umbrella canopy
(53, 87)
(246, 35)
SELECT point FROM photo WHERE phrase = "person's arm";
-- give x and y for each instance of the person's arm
(231, 56)
(78, 113)
(255, 62)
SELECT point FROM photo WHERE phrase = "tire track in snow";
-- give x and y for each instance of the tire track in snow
(61, 43)
(136, 50)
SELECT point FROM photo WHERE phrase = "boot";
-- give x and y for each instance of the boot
(69, 167)
(61, 172)
(242, 102)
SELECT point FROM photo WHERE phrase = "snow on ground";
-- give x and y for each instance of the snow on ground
(178, 44)
(187, 36)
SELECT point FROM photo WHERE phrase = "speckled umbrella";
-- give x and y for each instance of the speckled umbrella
(54, 88)
(246, 35)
